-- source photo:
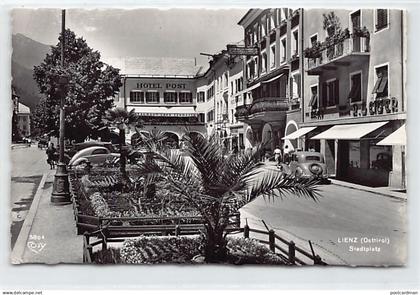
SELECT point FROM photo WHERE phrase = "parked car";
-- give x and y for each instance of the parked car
(94, 155)
(307, 165)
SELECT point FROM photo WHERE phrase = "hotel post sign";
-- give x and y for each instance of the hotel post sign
(241, 50)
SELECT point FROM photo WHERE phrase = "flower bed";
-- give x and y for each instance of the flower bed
(155, 250)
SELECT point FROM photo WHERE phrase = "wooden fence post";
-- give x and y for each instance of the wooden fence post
(246, 231)
(177, 230)
(292, 252)
(271, 240)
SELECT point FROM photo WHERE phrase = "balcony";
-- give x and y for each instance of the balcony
(341, 50)
(266, 109)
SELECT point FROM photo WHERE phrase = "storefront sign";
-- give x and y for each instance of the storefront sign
(160, 85)
(241, 50)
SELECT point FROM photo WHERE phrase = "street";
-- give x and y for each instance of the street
(28, 165)
(342, 222)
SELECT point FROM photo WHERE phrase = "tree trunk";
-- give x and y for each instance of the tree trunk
(215, 249)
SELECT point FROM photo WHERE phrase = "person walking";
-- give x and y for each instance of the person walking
(51, 151)
(277, 154)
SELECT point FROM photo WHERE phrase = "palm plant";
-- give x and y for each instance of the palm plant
(212, 182)
(122, 120)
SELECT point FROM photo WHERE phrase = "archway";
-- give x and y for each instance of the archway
(172, 140)
(290, 128)
(250, 135)
(267, 137)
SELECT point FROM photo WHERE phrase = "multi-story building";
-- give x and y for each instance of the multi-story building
(163, 92)
(354, 92)
(272, 79)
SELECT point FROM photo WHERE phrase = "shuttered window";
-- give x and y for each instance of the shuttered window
(314, 98)
(381, 85)
(356, 87)
(381, 19)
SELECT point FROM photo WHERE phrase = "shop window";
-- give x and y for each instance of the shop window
(185, 97)
(354, 154)
(380, 156)
(170, 97)
(381, 85)
(313, 103)
(381, 19)
(355, 94)
(137, 96)
(152, 97)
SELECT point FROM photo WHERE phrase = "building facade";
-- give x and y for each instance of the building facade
(164, 94)
(273, 77)
(353, 92)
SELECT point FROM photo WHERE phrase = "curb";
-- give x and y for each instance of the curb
(360, 188)
(16, 257)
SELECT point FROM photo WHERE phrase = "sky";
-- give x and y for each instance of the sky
(140, 32)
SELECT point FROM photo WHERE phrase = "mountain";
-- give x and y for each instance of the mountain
(27, 53)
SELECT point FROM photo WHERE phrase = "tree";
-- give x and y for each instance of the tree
(122, 120)
(89, 93)
(217, 185)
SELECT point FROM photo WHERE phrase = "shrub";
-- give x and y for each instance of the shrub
(108, 256)
(150, 250)
(99, 205)
(249, 251)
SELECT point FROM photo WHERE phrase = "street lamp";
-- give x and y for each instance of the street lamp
(61, 193)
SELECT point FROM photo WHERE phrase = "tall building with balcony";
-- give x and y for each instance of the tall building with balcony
(272, 79)
(354, 93)
(163, 91)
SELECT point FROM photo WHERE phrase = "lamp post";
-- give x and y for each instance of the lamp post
(61, 193)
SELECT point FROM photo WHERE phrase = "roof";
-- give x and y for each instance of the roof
(23, 109)
(157, 66)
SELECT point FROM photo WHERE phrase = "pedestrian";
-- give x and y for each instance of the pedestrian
(51, 151)
(311, 148)
(277, 154)
(287, 151)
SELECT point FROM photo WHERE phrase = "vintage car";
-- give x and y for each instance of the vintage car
(307, 165)
(94, 155)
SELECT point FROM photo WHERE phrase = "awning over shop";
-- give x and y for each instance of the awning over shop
(298, 133)
(398, 137)
(155, 111)
(273, 79)
(349, 131)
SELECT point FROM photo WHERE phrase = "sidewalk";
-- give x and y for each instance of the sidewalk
(385, 191)
(48, 234)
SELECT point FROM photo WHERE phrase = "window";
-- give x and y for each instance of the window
(185, 97)
(210, 116)
(283, 50)
(381, 85)
(152, 97)
(295, 81)
(264, 62)
(256, 72)
(314, 40)
(210, 92)
(355, 87)
(330, 93)
(273, 55)
(200, 96)
(313, 103)
(295, 43)
(99, 152)
(170, 97)
(201, 117)
(264, 27)
(137, 96)
(381, 19)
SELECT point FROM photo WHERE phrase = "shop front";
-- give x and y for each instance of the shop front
(352, 152)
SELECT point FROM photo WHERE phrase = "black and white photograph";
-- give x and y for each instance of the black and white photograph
(241, 136)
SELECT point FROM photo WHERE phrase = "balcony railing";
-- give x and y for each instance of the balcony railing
(269, 104)
(336, 48)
